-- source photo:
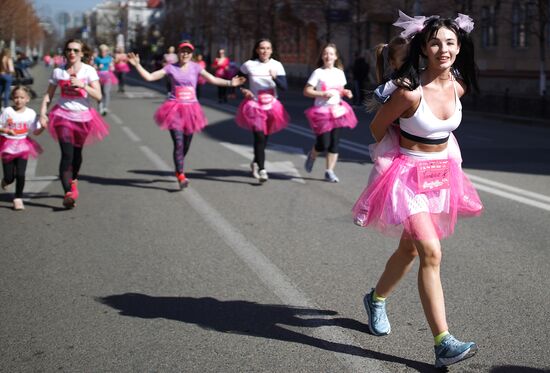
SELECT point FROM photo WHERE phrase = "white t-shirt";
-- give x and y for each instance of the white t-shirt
(259, 75)
(23, 123)
(323, 79)
(73, 99)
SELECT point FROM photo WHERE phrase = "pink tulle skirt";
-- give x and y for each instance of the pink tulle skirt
(23, 148)
(107, 77)
(326, 118)
(253, 116)
(175, 115)
(122, 67)
(77, 127)
(393, 203)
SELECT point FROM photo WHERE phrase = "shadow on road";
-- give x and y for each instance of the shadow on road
(253, 319)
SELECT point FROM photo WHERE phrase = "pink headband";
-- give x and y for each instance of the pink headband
(186, 45)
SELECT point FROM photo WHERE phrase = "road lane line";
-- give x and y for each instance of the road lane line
(131, 134)
(496, 184)
(513, 197)
(116, 118)
(275, 279)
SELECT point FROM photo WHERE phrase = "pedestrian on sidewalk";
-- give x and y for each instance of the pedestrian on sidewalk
(73, 121)
(424, 190)
(261, 112)
(181, 114)
(105, 66)
(7, 71)
(330, 113)
(16, 123)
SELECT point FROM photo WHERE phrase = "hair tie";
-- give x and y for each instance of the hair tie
(465, 22)
(410, 25)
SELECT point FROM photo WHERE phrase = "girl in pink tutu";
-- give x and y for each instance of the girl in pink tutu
(330, 113)
(105, 66)
(121, 67)
(261, 112)
(422, 191)
(16, 123)
(182, 114)
(72, 121)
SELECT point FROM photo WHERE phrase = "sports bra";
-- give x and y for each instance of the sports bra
(424, 127)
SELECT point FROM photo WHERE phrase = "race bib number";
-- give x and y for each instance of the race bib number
(338, 111)
(266, 96)
(186, 94)
(68, 91)
(433, 175)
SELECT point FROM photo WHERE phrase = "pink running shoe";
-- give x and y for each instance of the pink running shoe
(182, 180)
(74, 189)
(68, 201)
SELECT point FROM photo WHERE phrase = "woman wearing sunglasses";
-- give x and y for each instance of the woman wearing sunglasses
(72, 121)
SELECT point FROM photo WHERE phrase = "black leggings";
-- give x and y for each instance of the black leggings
(328, 141)
(15, 170)
(260, 143)
(182, 143)
(71, 160)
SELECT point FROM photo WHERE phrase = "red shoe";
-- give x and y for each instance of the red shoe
(74, 189)
(182, 180)
(68, 201)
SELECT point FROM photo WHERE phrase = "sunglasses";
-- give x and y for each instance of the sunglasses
(72, 50)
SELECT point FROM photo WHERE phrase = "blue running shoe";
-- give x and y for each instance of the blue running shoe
(451, 351)
(378, 319)
(309, 163)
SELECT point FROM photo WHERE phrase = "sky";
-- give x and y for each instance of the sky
(50, 8)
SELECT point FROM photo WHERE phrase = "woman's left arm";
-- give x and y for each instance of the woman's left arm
(93, 89)
(234, 82)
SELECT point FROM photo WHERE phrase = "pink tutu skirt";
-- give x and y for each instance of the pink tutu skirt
(175, 115)
(326, 118)
(77, 127)
(253, 116)
(393, 202)
(122, 68)
(107, 77)
(23, 148)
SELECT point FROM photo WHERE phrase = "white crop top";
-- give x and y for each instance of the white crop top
(426, 125)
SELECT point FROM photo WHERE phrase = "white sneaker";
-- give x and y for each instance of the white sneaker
(255, 168)
(263, 176)
(18, 204)
(330, 176)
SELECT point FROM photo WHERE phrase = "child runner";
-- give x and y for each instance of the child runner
(16, 123)
(422, 192)
(330, 113)
(182, 114)
(105, 65)
(72, 121)
(260, 111)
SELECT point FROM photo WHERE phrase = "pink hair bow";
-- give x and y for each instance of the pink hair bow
(465, 22)
(410, 25)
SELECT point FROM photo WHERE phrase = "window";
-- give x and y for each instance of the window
(520, 27)
(488, 26)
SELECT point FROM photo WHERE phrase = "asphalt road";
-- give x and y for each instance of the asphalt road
(233, 276)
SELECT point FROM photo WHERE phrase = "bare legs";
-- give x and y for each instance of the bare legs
(429, 281)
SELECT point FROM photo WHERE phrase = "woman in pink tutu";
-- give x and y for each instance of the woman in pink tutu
(422, 191)
(16, 123)
(261, 112)
(182, 114)
(105, 66)
(121, 67)
(329, 113)
(72, 121)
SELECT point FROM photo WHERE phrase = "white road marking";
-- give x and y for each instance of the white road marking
(272, 276)
(128, 131)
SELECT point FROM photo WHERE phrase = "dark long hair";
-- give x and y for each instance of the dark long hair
(464, 66)
(255, 55)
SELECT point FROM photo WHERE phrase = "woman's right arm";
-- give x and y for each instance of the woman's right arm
(45, 103)
(155, 75)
